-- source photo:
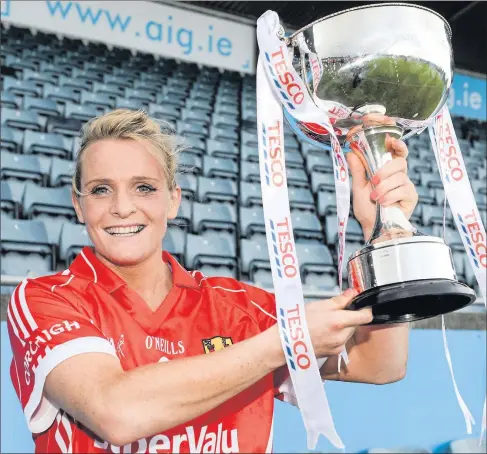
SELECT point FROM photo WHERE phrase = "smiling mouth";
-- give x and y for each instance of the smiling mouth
(125, 231)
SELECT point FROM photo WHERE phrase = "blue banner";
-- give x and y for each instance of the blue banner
(468, 97)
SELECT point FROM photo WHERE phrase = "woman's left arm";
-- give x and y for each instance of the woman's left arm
(377, 354)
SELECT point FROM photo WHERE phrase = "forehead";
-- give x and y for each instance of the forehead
(121, 159)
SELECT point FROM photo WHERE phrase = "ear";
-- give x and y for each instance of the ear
(77, 207)
(174, 203)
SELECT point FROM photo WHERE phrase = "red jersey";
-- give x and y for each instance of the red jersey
(88, 308)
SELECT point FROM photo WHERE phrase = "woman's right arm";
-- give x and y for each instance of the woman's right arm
(123, 406)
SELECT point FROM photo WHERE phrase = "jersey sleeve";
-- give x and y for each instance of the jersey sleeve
(45, 329)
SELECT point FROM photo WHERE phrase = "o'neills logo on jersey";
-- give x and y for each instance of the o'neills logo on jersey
(43, 337)
(296, 348)
(284, 248)
(290, 90)
(448, 151)
(164, 346)
(273, 154)
(192, 441)
(475, 239)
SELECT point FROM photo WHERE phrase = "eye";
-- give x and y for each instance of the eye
(99, 190)
(145, 188)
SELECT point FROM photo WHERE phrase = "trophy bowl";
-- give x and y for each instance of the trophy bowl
(380, 70)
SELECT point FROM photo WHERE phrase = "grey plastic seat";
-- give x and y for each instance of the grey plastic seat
(61, 94)
(83, 112)
(420, 165)
(255, 260)
(221, 149)
(99, 100)
(252, 222)
(145, 96)
(69, 127)
(20, 87)
(78, 85)
(48, 201)
(426, 195)
(123, 103)
(301, 199)
(213, 251)
(250, 171)
(174, 242)
(353, 231)
(184, 217)
(250, 194)
(197, 115)
(73, 237)
(190, 163)
(188, 184)
(215, 167)
(199, 104)
(316, 265)
(21, 119)
(21, 167)
(165, 112)
(46, 143)
(7, 201)
(249, 153)
(224, 121)
(11, 139)
(452, 237)
(9, 101)
(112, 90)
(217, 189)
(171, 99)
(431, 180)
(249, 138)
(434, 215)
(214, 216)
(326, 204)
(224, 134)
(41, 106)
(322, 182)
(297, 178)
(307, 227)
(319, 162)
(126, 81)
(61, 172)
(192, 129)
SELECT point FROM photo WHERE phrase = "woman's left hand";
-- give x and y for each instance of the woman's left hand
(392, 186)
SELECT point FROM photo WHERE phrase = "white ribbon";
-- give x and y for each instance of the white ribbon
(277, 85)
(459, 194)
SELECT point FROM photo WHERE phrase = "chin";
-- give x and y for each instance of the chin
(129, 256)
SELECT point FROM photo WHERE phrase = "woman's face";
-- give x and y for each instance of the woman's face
(128, 201)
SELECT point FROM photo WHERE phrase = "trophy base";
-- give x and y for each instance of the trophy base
(416, 300)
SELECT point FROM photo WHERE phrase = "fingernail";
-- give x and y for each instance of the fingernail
(374, 195)
(375, 180)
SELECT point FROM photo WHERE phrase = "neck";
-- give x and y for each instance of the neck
(151, 279)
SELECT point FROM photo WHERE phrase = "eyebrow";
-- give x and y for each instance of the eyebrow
(108, 180)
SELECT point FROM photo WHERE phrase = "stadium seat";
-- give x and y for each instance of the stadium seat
(83, 112)
(73, 237)
(188, 184)
(224, 134)
(9, 100)
(426, 195)
(250, 194)
(218, 190)
(78, 85)
(174, 242)
(41, 106)
(431, 180)
(69, 127)
(21, 119)
(319, 162)
(25, 247)
(250, 171)
(322, 182)
(101, 101)
(47, 201)
(171, 99)
(211, 255)
(19, 63)
(145, 96)
(61, 172)
(89, 74)
(478, 186)
(452, 236)
(252, 223)
(192, 129)
(224, 121)
(11, 139)
(301, 199)
(353, 232)
(214, 216)
(214, 167)
(199, 104)
(420, 165)
(434, 215)
(169, 113)
(190, 163)
(306, 227)
(52, 70)
(196, 115)
(326, 204)
(46, 143)
(21, 167)
(350, 248)
(294, 159)
(8, 204)
(126, 81)
(184, 217)
(316, 265)
(20, 87)
(111, 90)
(249, 153)
(297, 178)
(221, 149)
(249, 138)
(61, 94)
(256, 265)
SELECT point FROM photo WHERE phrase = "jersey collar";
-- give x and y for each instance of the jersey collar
(87, 266)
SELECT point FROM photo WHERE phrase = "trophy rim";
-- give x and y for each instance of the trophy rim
(374, 5)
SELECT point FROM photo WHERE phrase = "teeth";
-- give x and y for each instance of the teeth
(125, 230)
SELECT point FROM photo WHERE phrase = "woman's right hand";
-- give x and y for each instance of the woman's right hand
(331, 325)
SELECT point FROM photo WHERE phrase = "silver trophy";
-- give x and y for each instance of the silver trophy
(388, 69)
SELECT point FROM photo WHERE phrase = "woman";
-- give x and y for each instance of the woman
(127, 348)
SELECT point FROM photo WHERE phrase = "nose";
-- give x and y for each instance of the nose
(123, 205)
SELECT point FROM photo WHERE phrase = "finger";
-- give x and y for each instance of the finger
(397, 147)
(357, 170)
(393, 182)
(344, 299)
(356, 318)
(402, 194)
(389, 169)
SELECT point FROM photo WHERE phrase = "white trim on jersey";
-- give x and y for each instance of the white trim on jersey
(62, 419)
(25, 307)
(95, 277)
(11, 320)
(13, 304)
(62, 285)
(58, 437)
(47, 411)
(271, 434)
(263, 310)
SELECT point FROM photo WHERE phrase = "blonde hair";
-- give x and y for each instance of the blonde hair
(135, 125)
